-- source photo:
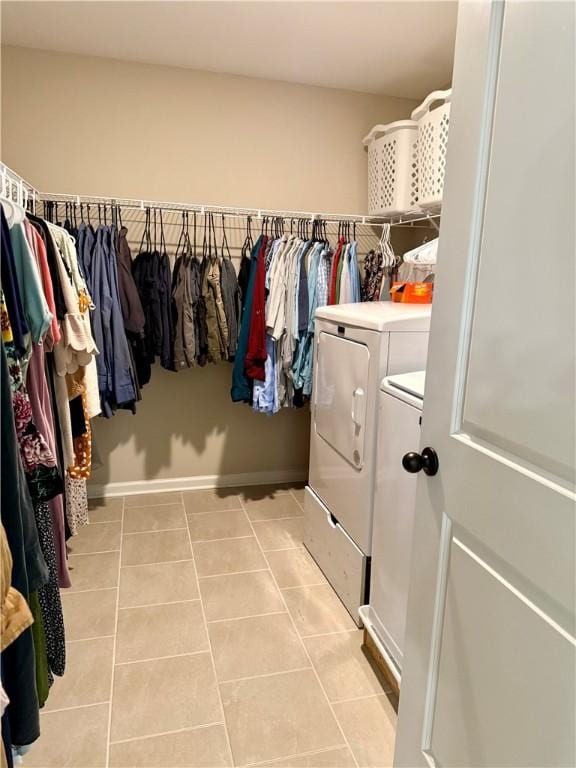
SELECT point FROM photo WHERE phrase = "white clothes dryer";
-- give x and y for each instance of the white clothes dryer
(356, 345)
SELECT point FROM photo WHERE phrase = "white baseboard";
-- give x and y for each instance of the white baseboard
(99, 490)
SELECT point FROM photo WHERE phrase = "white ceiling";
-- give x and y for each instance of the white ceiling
(400, 48)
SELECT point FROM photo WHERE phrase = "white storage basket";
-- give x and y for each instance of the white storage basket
(432, 146)
(392, 168)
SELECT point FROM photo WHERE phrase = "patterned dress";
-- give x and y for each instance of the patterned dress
(44, 483)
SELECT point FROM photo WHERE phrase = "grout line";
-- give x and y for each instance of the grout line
(72, 555)
(213, 511)
(328, 634)
(154, 504)
(156, 562)
(266, 674)
(97, 552)
(223, 714)
(251, 616)
(156, 530)
(67, 591)
(157, 605)
(151, 506)
(86, 639)
(307, 586)
(274, 519)
(161, 658)
(282, 549)
(168, 733)
(360, 698)
(115, 639)
(67, 709)
(232, 573)
(226, 538)
(291, 757)
(96, 522)
(73, 591)
(296, 500)
(309, 658)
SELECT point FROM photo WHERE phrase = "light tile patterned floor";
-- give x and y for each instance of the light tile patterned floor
(202, 634)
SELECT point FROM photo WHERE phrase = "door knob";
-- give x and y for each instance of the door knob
(427, 460)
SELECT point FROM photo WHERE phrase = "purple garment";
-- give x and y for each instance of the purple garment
(44, 420)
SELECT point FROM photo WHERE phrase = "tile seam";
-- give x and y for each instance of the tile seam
(231, 573)
(266, 674)
(211, 652)
(68, 709)
(303, 645)
(114, 643)
(157, 605)
(161, 658)
(167, 733)
(311, 753)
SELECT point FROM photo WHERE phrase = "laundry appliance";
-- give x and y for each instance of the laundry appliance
(356, 346)
(399, 419)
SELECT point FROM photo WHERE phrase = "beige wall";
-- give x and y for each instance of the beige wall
(84, 125)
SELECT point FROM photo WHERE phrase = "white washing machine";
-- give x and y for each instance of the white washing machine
(399, 419)
(356, 345)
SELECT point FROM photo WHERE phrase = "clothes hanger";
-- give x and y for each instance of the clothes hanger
(225, 239)
(204, 240)
(247, 245)
(182, 237)
(163, 249)
(195, 223)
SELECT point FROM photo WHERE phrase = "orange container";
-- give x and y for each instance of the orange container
(412, 293)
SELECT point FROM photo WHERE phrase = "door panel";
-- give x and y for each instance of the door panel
(485, 672)
(524, 288)
(341, 392)
(490, 650)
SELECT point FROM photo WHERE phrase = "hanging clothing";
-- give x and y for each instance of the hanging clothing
(14, 307)
(152, 276)
(29, 571)
(255, 359)
(232, 303)
(116, 379)
(241, 384)
(183, 315)
(130, 303)
(373, 275)
(38, 248)
(43, 415)
(38, 315)
(332, 295)
(15, 614)
(215, 315)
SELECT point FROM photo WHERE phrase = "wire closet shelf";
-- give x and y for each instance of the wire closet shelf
(17, 188)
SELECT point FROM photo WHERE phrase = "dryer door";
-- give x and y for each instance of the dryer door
(341, 392)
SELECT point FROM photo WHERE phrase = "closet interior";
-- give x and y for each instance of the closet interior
(191, 391)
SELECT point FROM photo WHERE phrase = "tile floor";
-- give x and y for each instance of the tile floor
(201, 633)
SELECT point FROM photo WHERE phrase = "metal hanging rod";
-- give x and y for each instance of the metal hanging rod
(257, 213)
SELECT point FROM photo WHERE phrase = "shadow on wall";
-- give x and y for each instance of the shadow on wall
(187, 426)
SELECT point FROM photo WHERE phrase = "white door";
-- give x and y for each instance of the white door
(489, 670)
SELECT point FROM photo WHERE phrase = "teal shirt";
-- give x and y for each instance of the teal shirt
(38, 315)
